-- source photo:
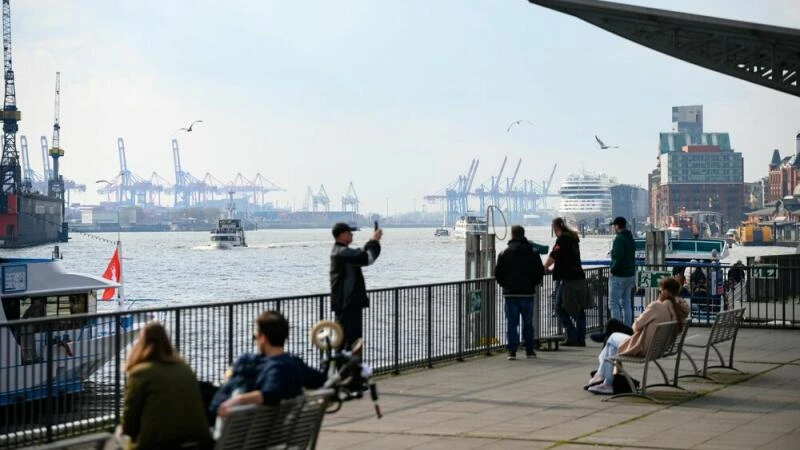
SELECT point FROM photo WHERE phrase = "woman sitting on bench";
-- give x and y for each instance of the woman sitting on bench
(667, 308)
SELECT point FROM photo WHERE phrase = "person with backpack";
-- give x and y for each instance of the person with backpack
(519, 271)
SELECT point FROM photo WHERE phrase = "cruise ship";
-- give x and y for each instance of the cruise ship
(585, 198)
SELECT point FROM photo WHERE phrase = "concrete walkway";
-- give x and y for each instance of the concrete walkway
(489, 402)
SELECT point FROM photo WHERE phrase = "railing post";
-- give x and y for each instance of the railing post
(230, 335)
(177, 341)
(460, 321)
(118, 368)
(396, 304)
(48, 403)
(429, 304)
(489, 303)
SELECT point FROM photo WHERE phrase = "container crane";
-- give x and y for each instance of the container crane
(27, 171)
(350, 200)
(321, 199)
(265, 186)
(188, 189)
(10, 175)
(48, 173)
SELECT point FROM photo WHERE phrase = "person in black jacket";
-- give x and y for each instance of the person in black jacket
(519, 271)
(348, 290)
(565, 258)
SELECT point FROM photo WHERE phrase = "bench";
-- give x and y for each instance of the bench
(292, 424)
(667, 341)
(94, 441)
(724, 329)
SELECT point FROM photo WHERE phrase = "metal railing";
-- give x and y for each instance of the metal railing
(66, 381)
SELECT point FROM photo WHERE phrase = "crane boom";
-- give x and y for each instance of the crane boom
(48, 173)
(10, 175)
(55, 185)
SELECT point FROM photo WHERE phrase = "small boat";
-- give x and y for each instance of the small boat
(688, 249)
(441, 232)
(470, 223)
(70, 353)
(229, 232)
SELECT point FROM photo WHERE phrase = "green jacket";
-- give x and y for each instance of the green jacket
(163, 406)
(623, 255)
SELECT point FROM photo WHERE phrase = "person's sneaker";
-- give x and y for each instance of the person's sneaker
(598, 337)
(602, 389)
(511, 356)
(530, 354)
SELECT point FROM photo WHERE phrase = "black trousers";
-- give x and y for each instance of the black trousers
(617, 326)
(351, 320)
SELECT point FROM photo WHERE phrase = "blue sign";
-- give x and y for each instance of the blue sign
(15, 278)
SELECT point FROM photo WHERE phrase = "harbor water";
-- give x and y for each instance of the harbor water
(178, 268)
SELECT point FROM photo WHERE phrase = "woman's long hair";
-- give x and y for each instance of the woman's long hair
(153, 345)
(670, 290)
(560, 225)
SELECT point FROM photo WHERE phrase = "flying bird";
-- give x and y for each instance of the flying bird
(518, 122)
(189, 128)
(603, 145)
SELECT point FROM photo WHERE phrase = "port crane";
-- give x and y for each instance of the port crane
(188, 189)
(455, 196)
(350, 200)
(10, 171)
(129, 188)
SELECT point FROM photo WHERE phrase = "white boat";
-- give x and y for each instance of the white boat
(469, 223)
(72, 350)
(229, 232)
(586, 199)
(688, 249)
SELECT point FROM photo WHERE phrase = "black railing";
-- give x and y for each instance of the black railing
(47, 394)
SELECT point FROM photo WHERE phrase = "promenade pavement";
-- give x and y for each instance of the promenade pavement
(489, 402)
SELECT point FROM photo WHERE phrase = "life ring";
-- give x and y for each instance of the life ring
(326, 333)
(66, 347)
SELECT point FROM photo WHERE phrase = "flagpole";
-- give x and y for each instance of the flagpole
(121, 290)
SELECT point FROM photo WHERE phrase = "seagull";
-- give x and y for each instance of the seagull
(189, 128)
(603, 146)
(518, 122)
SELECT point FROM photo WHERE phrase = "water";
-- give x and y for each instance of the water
(178, 268)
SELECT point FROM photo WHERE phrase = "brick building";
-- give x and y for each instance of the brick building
(784, 174)
(696, 171)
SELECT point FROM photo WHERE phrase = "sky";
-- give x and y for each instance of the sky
(395, 97)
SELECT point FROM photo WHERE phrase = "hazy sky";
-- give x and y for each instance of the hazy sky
(396, 97)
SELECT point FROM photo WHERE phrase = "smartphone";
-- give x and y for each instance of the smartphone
(376, 225)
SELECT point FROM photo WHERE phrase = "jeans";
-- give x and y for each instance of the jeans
(515, 307)
(606, 369)
(575, 332)
(351, 320)
(619, 298)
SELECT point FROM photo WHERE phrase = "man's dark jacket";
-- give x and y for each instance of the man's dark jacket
(348, 289)
(623, 255)
(519, 268)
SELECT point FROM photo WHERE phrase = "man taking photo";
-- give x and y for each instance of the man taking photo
(348, 290)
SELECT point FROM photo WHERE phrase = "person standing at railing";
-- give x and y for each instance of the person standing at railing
(348, 290)
(519, 272)
(623, 271)
(572, 296)
(163, 404)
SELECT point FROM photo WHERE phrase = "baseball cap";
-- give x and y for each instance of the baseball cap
(619, 221)
(341, 227)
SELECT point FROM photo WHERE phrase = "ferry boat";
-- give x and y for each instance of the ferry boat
(470, 224)
(229, 232)
(688, 249)
(585, 199)
(441, 232)
(69, 353)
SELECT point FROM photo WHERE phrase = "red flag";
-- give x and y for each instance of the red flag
(112, 273)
